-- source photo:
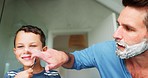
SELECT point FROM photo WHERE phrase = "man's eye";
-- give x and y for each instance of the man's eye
(118, 24)
(128, 28)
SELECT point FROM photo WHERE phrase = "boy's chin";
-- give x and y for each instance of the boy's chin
(27, 64)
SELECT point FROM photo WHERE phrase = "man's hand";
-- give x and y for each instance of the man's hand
(25, 74)
(53, 58)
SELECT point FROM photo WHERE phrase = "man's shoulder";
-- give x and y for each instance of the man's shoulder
(105, 44)
(107, 47)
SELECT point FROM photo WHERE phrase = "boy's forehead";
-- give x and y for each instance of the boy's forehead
(23, 32)
(27, 35)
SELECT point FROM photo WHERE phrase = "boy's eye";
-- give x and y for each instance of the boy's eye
(32, 45)
(19, 46)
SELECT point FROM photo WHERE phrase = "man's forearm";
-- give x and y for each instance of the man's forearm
(69, 62)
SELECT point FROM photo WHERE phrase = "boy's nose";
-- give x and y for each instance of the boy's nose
(26, 50)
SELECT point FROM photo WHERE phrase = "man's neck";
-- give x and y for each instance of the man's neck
(138, 65)
(138, 62)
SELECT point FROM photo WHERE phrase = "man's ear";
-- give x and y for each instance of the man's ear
(45, 48)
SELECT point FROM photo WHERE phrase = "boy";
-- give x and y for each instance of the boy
(30, 38)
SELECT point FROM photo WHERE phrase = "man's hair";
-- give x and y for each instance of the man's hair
(138, 4)
(32, 29)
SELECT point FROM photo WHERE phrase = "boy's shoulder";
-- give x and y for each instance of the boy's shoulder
(12, 73)
(51, 73)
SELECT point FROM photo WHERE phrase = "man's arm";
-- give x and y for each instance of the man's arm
(54, 58)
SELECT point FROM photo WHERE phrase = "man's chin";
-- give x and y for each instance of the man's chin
(132, 50)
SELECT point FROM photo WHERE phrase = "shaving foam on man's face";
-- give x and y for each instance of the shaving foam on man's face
(131, 51)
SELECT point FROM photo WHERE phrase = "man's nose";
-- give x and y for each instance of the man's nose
(118, 33)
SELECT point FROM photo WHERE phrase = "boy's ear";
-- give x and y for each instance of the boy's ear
(14, 50)
(45, 48)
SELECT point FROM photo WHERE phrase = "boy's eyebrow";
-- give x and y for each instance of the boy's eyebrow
(19, 43)
(33, 42)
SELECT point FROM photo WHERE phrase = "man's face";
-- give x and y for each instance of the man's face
(26, 41)
(132, 29)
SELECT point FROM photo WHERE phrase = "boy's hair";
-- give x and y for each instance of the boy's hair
(32, 29)
(138, 4)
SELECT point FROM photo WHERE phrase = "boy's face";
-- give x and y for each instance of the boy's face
(26, 41)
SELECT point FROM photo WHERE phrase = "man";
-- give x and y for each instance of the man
(126, 57)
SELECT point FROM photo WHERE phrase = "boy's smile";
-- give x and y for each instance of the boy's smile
(26, 57)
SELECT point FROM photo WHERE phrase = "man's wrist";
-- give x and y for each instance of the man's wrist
(68, 58)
